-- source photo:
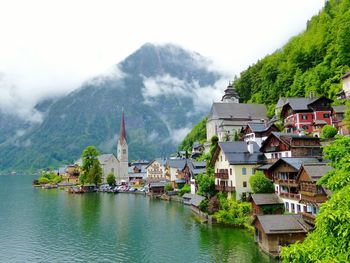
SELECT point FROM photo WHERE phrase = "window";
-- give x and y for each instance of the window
(325, 115)
(305, 127)
(298, 208)
(304, 117)
(287, 206)
(253, 170)
(230, 171)
(244, 170)
(124, 151)
(244, 184)
(292, 207)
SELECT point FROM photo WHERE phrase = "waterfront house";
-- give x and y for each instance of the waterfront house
(311, 194)
(174, 169)
(72, 173)
(306, 114)
(268, 203)
(156, 169)
(279, 145)
(258, 132)
(274, 231)
(157, 188)
(234, 163)
(228, 117)
(195, 202)
(285, 176)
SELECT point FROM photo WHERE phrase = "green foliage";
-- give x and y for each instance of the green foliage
(43, 180)
(169, 187)
(203, 206)
(57, 179)
(94, 176)
(328, 132)
(260, 184)
(311, 61)
(271, 209)
(347, 114)
(185, 189)
(234, 213)
(330, 241)
(206, 183)
(89, 157)
(49, 177)
(213, 205)
(110, 179)
(197, 134)
(214, 143)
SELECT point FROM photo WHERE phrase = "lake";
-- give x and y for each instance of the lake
(38, 225)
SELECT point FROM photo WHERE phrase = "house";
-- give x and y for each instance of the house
(279, 145)
(187, 198)
(258, 132)
(306, 114)
(274, 231)
(195, 202)
(345, 92)
(156, 169)
(157, 188)
(194, 168)
(228, 117)
(263, 204)
(137, 172)
(338, 120)
(285, 176)
(72, 173)
(234, 163)
(174, 169)
(197, 150)
(311, 194)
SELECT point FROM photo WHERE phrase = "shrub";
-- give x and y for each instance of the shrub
(203, 206)
(185, 189)
(57, 179)
(111, 179)
(169, 187)
(260, 184)
(43, 180)
(328, 132)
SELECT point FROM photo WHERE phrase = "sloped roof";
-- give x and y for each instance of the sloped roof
(296, 162)
(229, 110)
(237, 153)
(177, 163)
(196, 167)
(316, 170)
(266, 199)
(196, 200)
(340, 108)
(161, 161)
(104, 158)
(259, 126)
(282, 224)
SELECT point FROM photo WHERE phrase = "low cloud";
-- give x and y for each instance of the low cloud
(166, 85)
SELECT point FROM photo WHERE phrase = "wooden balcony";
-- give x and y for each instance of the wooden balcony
(288, 182)
(308, 218)
(222, 175)
(290, 196)
(224, 188)
(313, 197)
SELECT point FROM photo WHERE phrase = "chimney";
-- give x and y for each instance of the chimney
(250, 147)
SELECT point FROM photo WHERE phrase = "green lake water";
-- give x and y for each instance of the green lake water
(38, 225)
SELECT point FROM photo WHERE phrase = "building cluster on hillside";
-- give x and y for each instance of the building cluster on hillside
(248, 141)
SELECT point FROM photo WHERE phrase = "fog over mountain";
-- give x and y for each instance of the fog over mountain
(163, 89)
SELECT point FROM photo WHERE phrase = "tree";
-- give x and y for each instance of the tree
(328, 132)
(169, 187)
(206, 183)
(94, 176)
(111, 179)
(185, 189)
(260, 184)
(91, 170)
(89, 157)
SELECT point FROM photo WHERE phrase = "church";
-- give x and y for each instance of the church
(117, 165)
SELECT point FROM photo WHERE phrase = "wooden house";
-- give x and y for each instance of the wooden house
(258, 132)
(270, 203)
(274, 231)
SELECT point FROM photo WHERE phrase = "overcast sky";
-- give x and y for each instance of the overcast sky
(51, 46)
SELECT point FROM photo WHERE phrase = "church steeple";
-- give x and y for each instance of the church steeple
(230, 94)
(122, 134)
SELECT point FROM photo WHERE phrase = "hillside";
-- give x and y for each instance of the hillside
(157, 87)
(311, 61)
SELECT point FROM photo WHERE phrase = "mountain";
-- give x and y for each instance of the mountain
(311, 61)
(159, 88)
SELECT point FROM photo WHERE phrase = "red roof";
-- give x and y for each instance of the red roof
(122, 134)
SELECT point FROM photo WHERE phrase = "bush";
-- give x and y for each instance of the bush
(260, 184)
(185, 189)
(169, 187)
(235, 214)
(43, 180)
(203, 206)
(213, 205)
(328, 132)
(57, 179)
(111, 179)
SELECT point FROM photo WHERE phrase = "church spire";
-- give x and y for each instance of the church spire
(122, 134)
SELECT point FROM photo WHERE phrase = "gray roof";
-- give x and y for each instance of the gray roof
(297, 162)
(187, 196)
(104, 158)
(177, 163)
(298, 103)
(196, 200)
(266, 199)
(229, 110)
(282, 224)
(339, 109)
(161, 161)
(196, 145)
(237, 153)
(259, 127)
(158, 184)
(316, 170)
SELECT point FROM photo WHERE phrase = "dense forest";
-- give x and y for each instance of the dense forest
(312, 61)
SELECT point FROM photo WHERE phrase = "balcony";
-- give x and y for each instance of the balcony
(288, 124)
(272, 149)
(221, 175)
(288, 182)
(290, 196)
(225, 188)
(313, 197)
(308, 218)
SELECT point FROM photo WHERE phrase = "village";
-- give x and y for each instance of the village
(286, 149)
